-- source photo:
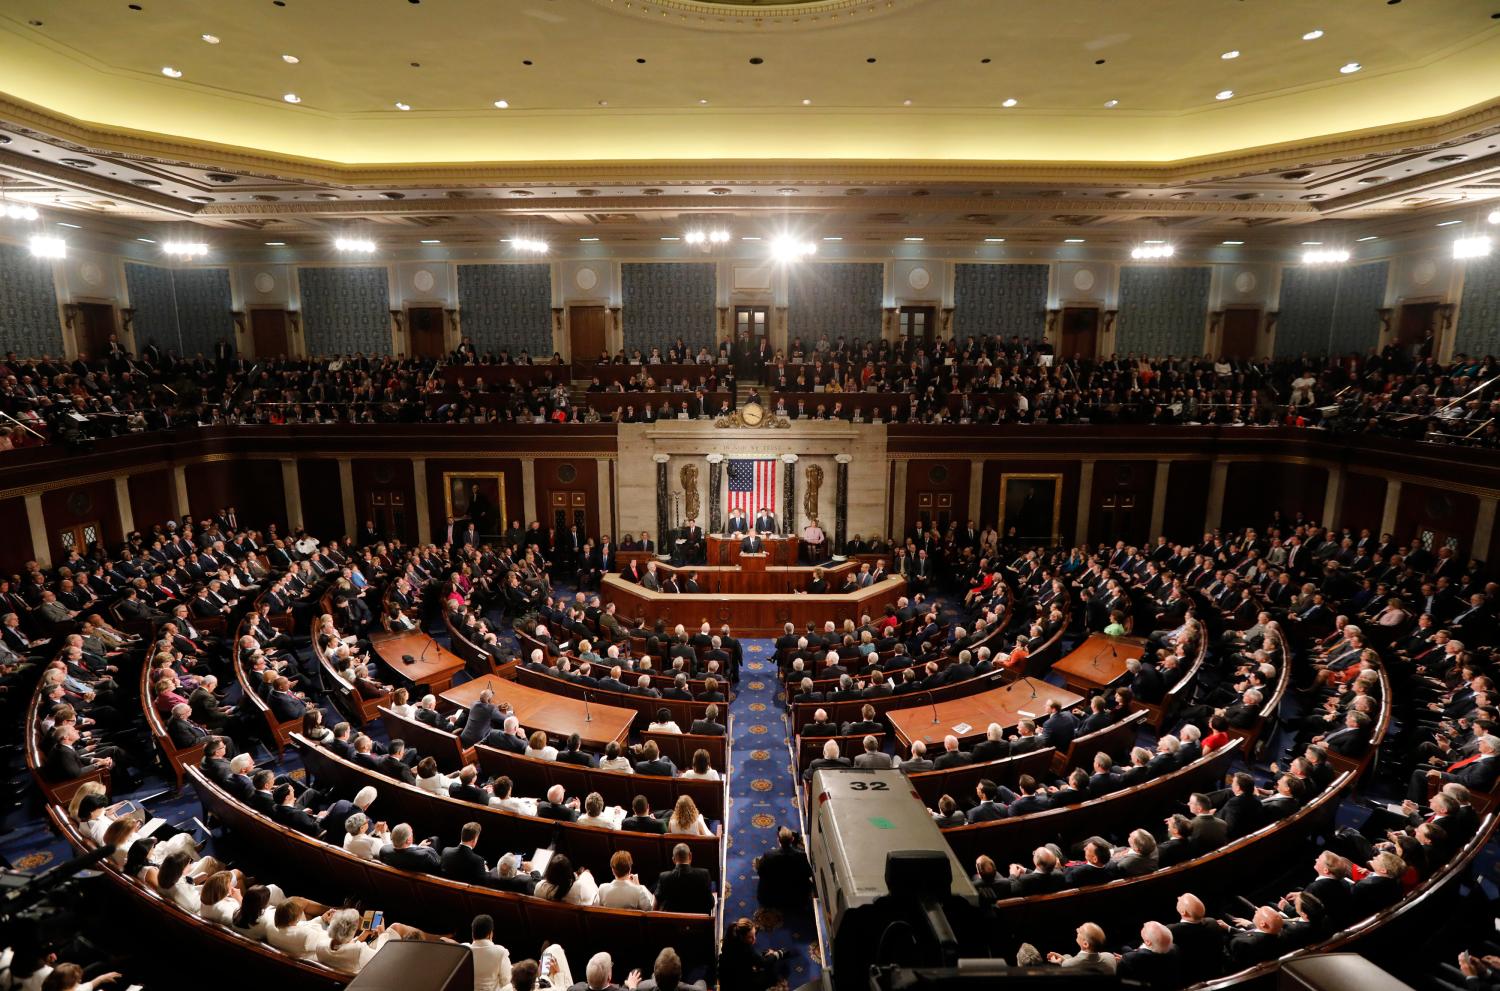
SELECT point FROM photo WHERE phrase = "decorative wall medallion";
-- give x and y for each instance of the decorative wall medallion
(1244, 283)
(586, 278)
(919, 278)
(1424, 272)
(80, 503)
(264, 282)
(423, 281)
(566, 474)
(90, 274)
(1083, 280)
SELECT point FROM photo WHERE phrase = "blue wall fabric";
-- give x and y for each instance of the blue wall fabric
(1330, 310)
(835, 299)
(507, 307)
(662, 301)
(346, 310)
(1163, 309)
(1000, 299)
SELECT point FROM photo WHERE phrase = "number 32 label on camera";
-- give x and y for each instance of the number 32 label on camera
(869, 786)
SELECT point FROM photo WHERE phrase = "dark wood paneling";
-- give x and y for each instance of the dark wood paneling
(1120, 504)
(91, 503)
(259, 496)
(388, 476)
(1253, 490)
(151, 499)
(322, 497)
(1187, 500)
(1445, 512)
(1363, 502)
(437, 505)
(552, 474)
(210, 487)
(945, 479)
(15, 536)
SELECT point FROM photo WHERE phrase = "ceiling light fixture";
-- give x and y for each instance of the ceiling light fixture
(833, 239)
(807, 103)
(354, 244)
(1152, 250)
(531, 245)
(1224, 94)
(1311, 243)
(1012, 101)
(64, 223)
(1471, 247)
(20, 211)
(431, 240)
(1231, 54)
(276, 244)
(788, 249)
(48, 247)
(212, 39)
(1232, 242)
(1111, 104)
(1073, 240)
(185, 249)
(1494, 217)
(1368, 237)
(588, 239)
(906, 103)
(994, 240)
(912, 239)
(1348, 68)
(146, 240)
(502, 104)
(290, 59)
(707, 237)
(1313, 35)
(1331, 256)
(674, 237)
(1448, 223)
(749, 237)
(170, 72)
(291, 98)
(402, 106)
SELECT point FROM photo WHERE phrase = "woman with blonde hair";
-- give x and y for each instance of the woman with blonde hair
(686, 819)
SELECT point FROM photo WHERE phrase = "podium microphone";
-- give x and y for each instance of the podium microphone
(932, 700)
(588, 715)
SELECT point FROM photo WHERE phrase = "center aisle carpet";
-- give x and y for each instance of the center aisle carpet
(763, 797)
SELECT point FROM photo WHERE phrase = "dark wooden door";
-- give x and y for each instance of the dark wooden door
(752, 323)
(586, 332)
(568, 508)
(1241, 330)
(918, 323)
(1080, 332)
(425, 326)
(268, 333)
(1415, 321)
(388, 510)
(93, 328)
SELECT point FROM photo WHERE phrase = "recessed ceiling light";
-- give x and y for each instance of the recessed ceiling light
(1072, 240)
(1449, 223)
(671, 239)
(588, 239)
(702, 103)
(1010, 102)
(1369, 237)
(911, 239)
(906, 103)
(1350, 67)
(1111, 103)
(145, 240)
(1309, 243)
(292, 98)
(1313, 35)
(1231, 242)
(1224, 94)
(756, 60)
(1232, 53)
(603, 103)
(64, 223)
(212, 39)
(1154, 242)
(807, 103)
(402, 106)
(833, 239)
(502, 104)
(749, 237)
(994, 240)
(170, 72)
(431, 240)
(290, 59)
(275, 244)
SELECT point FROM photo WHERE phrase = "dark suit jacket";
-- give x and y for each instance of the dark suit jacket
(643, 824)
(706, 727)
(684, 889)
(547, 810)
(298, 819)
(481, 717)
(412, 858)
(459, 863)
(661, 767)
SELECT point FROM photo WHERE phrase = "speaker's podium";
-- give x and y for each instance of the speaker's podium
(417, 965)
(754, 564)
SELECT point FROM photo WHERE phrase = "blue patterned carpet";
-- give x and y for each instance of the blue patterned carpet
(763, 797)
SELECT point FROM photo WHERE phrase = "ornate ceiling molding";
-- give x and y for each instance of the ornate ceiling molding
(740, 14)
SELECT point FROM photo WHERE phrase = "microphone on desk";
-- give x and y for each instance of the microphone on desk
(931, 700)
(588, 715)
(425, 646)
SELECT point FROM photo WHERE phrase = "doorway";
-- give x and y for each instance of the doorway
(1241, 334)
(1414, 323)
(425, 328)
(586, 333)
(569, 508)
(918, 324)
(268, 333)
(1079, 333)
(388, 511)
(92, 329)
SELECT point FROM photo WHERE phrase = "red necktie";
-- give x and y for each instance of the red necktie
(1464, 763)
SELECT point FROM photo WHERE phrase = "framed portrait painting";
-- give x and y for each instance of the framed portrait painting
(1031, 504)
(476, 496)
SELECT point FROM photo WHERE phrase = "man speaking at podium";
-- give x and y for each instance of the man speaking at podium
(765, 522)
(752, 544)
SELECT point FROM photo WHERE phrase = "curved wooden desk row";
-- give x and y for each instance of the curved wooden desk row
(1386, 935)
(1011, 840)
(586, 846)
(532, 776)
(598, 722)
(1127, 902)
(684, 713)
(968, 716)
(659, 681)
(318, 869)
(477, 660)
(747, 613)
(253, 963)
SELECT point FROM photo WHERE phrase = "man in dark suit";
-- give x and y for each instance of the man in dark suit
(652, 762)
(1207, 831)
(736, 523)
(287, 813)
(951, 755)
(752, 544)
(684, 888)
(509, 738)
(988, 808)
(573, 753)
(1155, 962)
(640, 819)
(1095, 866)
(709, 725)
(785, 875)
(765, 521)
(402, 853)
(480, 720)
(830, 759)
(461, 862)
(558, 806)
(1197, 940)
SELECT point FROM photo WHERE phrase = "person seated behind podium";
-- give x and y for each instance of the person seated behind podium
(830, 759)
(820, 726)
(765, 521)
(684, 888)
(813, 535)
(538, 747)
(461, 862)
(736, 523)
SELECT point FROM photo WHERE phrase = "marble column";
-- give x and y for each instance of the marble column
(1159, 499)
(291, 494)
(841, 505)
(419, 502)
(528, 491)
(1085, 501)
(898, 503)
(180, 490)
(1484, 528)
(41, 547)
(976, 490)
(122, 503)
(346, 486)
(606, 513)
(1333, 494)
(715, 493)
(1388, 514)
(1218, 481)
(663, 501)
(789, 495)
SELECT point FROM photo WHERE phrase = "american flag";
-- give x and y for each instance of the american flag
(752, 484)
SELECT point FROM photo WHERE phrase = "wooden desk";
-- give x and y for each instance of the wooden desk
(754, 576)
(556, 715)
(781, 552)
(1098, 661)
(752, 614)
(1003, 705)
(436, 667)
